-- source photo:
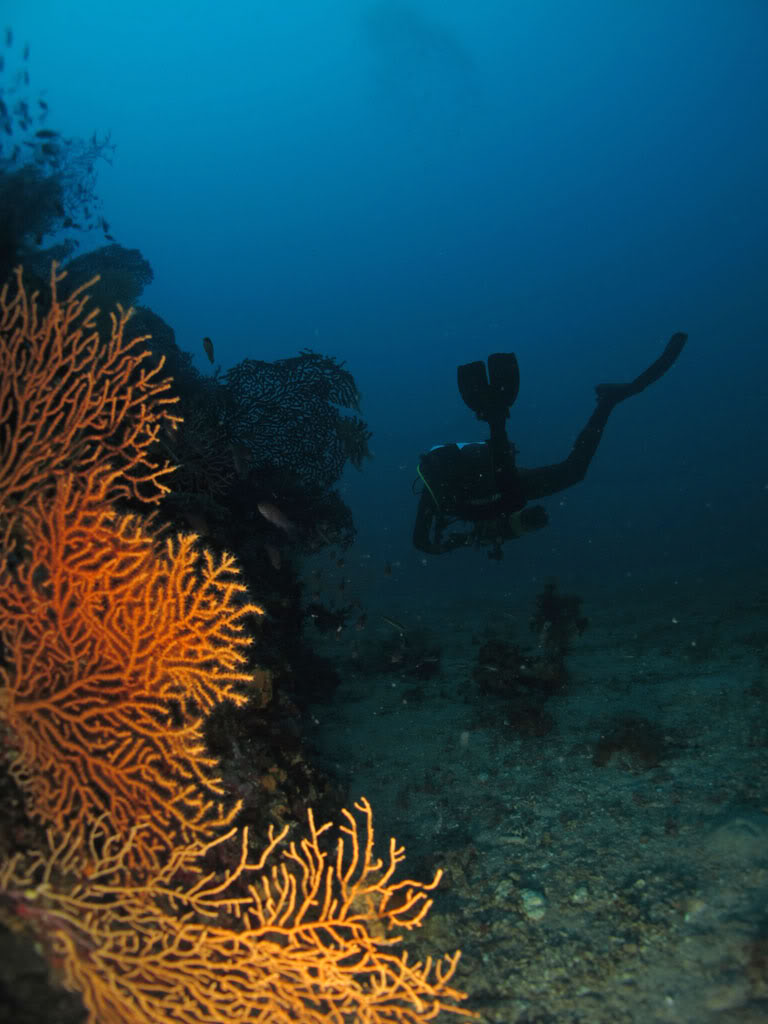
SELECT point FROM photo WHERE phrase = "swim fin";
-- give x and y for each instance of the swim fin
(473, 386)
(504, 374)
(490, 399)
(618, 392)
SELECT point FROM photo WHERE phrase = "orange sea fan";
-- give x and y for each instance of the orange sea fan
(116, 647)
(313, 938)
(71, 401)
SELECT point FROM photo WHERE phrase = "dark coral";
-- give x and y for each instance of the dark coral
(556, 622)
(30, 205)
(47, 181)
(506, 670)
(526, 678)
(636, 743)
(287, 414)
(123, 275)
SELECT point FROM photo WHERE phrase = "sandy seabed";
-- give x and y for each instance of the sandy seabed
(583, 884)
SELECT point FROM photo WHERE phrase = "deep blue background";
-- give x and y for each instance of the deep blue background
(412, 185)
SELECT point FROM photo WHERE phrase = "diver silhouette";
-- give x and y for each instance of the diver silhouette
(479, 483)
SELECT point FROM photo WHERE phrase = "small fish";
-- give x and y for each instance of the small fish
(25, 55)
(46, 133)
(274, 516)
(387, 569)
(104, 225)
(361, 622)
(208, 346)
(9, 37)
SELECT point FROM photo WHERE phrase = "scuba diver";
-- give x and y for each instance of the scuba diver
(479, 483)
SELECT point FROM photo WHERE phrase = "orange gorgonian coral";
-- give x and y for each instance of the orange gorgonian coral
(311, 939)
(72, 401)
(116, 647)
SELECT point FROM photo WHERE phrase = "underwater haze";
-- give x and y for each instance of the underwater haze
(412, 185)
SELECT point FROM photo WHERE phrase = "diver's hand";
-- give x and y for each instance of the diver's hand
(533, 518)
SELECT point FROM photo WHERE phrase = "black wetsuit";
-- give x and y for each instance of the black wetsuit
(481, 484)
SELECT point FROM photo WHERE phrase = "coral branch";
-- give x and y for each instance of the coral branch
(103, 629)
(114, 646)
(307, 939)
(71, 401)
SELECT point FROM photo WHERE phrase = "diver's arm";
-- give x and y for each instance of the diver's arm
(426, 523)
(428, 530)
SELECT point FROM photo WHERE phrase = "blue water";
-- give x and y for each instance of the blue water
(408, 186)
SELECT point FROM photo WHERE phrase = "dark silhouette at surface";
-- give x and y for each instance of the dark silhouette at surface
(480, 483)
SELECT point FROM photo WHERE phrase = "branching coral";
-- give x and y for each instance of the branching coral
(287, 414)
(71, 402)
(313, 938)
(103, 628)
(115, 646)
(116, 641)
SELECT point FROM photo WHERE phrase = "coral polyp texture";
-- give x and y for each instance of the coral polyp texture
(306, 932)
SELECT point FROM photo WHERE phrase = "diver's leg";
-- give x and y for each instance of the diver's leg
(545, 480)
(538, 483)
